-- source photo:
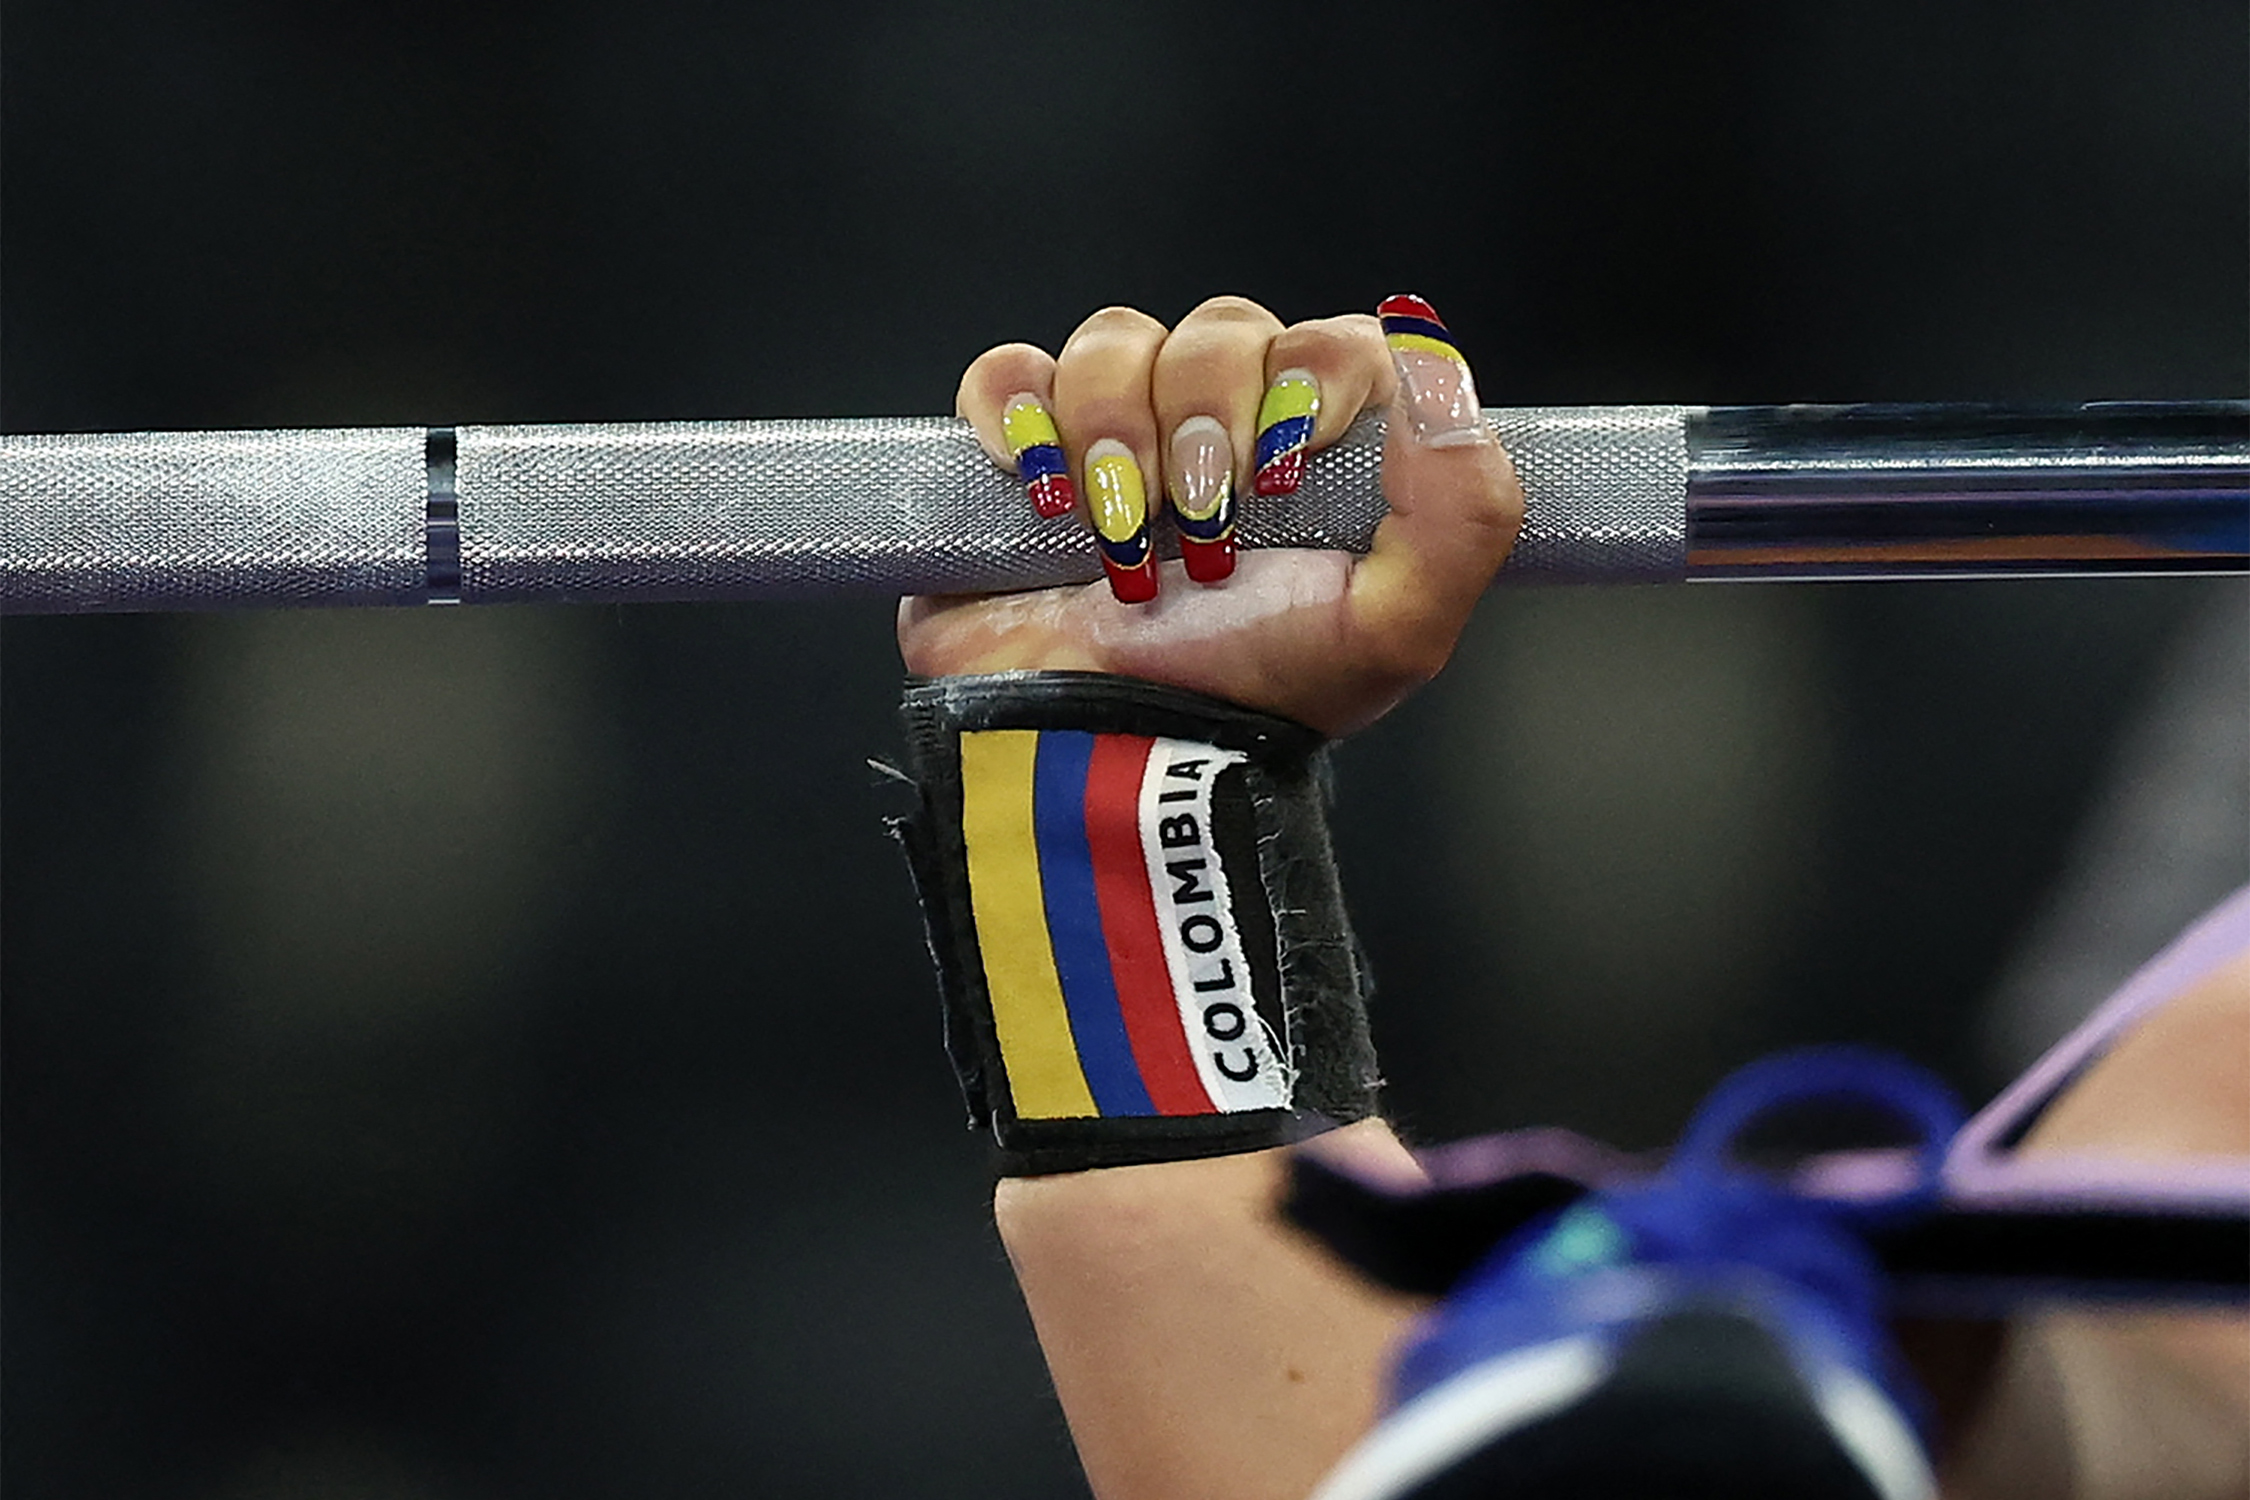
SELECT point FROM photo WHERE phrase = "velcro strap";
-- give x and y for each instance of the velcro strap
(1134, 912)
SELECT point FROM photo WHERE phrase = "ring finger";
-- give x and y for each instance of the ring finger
(1205, 390)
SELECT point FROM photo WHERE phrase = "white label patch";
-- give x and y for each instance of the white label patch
(1241, 1063)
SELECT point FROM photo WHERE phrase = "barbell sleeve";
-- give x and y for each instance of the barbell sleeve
(881, 506)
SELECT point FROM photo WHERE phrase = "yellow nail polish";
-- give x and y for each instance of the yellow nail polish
(1037, 449)
(1285, 429)
(1117, 498)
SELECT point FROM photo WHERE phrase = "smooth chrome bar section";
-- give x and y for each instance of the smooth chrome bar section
(1968, 491)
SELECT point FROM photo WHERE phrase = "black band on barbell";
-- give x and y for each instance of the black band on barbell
(441, 519)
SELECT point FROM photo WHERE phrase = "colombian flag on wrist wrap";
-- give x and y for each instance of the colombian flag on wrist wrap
(1111, 948)
(1122, 983)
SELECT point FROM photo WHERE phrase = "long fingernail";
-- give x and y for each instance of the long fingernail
(1119, 502)
(1037, 449)
(1201, 480)
(1285, 424)
(1441, 394)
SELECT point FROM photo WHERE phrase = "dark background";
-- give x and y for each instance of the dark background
(489, 1053)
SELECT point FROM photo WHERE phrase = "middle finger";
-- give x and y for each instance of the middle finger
(1102, 411)
(1205, 391)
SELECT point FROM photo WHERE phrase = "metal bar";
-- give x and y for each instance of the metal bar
(742, 510)
(1948, 491)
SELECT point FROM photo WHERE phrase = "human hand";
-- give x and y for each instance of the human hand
(1174, 415)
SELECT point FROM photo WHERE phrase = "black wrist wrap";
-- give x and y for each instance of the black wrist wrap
(1133, 907)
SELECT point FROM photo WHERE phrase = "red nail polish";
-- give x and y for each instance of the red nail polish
(1119, 502)
(1039, 457)
(1441, 394)
(1407, 305)
(1208, 562)
(1202, 486)
(1052, 495)
(1286, 418)
(1280, 476)
(1134, 585)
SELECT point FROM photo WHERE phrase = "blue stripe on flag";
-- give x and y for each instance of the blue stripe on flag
(1074, 924)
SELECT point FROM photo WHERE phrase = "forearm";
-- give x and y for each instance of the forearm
(1199, 1346)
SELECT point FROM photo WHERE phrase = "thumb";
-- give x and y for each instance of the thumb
(1455, 503)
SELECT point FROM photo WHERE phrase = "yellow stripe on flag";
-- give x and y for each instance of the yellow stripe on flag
(1044, 1078)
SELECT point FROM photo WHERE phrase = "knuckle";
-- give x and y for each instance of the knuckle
(1349, 336)
(1229, 308)
(1116, 324)
(1500, 517)
(1489, 521)
(1004, 360)
(998, 373)
(1500, 524)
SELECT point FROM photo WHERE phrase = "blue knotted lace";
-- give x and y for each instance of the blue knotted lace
(1716, 1221)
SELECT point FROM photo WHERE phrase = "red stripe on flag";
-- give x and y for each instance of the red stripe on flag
(1136, 949)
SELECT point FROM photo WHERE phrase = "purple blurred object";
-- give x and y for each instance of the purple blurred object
(2007, 1228)
(1983, 1165)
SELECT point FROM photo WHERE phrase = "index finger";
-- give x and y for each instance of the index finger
(1007, 395)
(994, 379)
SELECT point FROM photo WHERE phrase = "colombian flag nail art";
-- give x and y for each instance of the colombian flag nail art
(1411, 323)
(1037, 449)
(1111, 953)
(1202, 483)
(1118, 499)
(1285, 427)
